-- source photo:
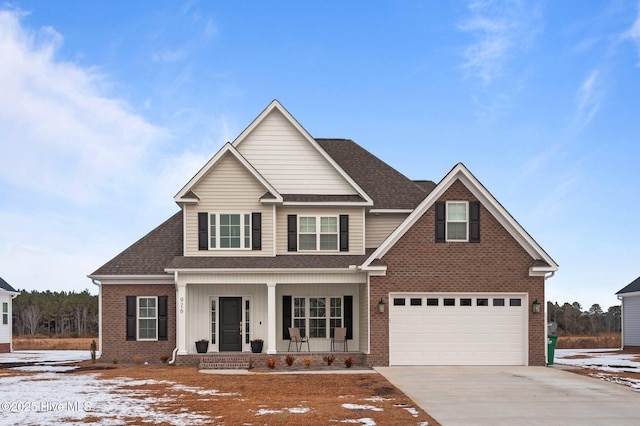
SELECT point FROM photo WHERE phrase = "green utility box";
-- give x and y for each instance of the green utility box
(551, 348)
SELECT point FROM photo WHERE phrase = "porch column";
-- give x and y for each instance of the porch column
(271, 318)
(181, 317)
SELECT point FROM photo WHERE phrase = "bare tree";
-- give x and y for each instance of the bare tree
(31, 316)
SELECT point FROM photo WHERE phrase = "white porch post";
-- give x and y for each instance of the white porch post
(271, 318)
(181, 317)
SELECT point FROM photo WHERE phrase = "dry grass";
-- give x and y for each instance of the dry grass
(601, 341)
(322, 394)
(48, 344)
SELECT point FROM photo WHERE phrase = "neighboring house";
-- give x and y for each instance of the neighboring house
(280, 229)
(630, 298)
(7, 294)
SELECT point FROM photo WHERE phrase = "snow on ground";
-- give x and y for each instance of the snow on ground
(44, 357)
(611, 361)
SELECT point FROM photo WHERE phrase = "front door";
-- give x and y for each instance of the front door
(231, 324)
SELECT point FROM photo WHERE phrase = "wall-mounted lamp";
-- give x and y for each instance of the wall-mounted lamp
(535, 306)
(381, 306)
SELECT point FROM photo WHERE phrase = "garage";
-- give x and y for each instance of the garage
(457, 329)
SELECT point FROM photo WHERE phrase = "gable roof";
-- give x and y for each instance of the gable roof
(542, 264)
(6, 287)
(186, 194)
(631, 288)
(388, 188)
(150, 254)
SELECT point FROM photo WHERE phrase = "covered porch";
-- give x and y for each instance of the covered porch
(229, 310)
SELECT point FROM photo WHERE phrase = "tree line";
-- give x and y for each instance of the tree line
(60, 314)
(572, 320)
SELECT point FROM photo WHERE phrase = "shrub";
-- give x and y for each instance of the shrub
(114, 360)
(329, 359)
(137, 360)
(271, 363)
(164, 358)
(289, 360)
(307, 362)
(349, 362)
(92, 349)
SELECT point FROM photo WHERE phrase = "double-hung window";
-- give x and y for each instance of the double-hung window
(457, 220)
(5, 313)
(300, 315)
(230, 230)
(147, 318)
(317, 315)
(318, 233)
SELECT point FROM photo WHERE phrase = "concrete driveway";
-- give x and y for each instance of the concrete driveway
(515, 396)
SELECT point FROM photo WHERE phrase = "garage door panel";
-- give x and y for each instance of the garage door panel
(480, 334)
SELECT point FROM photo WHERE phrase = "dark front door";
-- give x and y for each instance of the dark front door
(230, 324)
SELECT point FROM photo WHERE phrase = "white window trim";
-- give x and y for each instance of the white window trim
(5, 313)
(466, 222)
(138, 318)
(327, 317)
(318, 233)
(242, 231)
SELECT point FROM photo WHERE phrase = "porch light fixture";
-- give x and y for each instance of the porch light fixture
(381, 306)
(535, 306)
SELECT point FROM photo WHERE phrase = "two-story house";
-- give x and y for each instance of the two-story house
(280, 229)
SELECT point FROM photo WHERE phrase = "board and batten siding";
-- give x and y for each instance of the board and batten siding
(288, 160)
(380, 226)
(631, 321)
(228, 188)
(356, 226)
(319, 290)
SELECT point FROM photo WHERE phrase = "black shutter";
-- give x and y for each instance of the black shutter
(348, 315)
(441, 218)
(292, 233)
(286, 316)
(474, 222)
(344, 232)
(203, 232)
(163, 318)
(256, 231)
(131, 318)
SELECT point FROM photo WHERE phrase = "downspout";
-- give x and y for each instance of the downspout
(175, 350)
(99, 284)
(621, 322)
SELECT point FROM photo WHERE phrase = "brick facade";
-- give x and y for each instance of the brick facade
(114, 343)
(5, 348)
(416, 263)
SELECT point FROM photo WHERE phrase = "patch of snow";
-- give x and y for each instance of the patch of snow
(299, 410)
(361, 407)
(611, 360)
(50, 368)
(363, 421)
(377, 399)
(263, 411)
(50, 357)
(632, 383)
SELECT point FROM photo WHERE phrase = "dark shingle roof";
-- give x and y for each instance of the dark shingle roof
(388, 188)
(293, 261)
(631, 288)
(5, 286)
(150, 254)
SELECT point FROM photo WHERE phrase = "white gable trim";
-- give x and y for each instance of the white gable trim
(277, 105)
(461, 173)
(226, 149)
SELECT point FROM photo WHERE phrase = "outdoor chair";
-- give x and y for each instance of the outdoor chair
(294, 337)
(340, 336)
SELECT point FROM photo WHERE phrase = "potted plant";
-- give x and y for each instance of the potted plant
(202, 346)
(256, 346)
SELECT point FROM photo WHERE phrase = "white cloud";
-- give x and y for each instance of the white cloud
(588, 99)
(64, 135)
(634, 32)
(501, 29)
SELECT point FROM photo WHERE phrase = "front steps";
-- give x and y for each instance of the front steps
(224, 362)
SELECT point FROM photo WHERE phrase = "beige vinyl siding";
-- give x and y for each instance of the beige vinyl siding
(288, 160)
(356, 230)
(379, 227)
(228, 188)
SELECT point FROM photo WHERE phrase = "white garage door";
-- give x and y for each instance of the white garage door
(457, 329)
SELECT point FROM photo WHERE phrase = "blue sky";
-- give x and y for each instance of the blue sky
(108, 108)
